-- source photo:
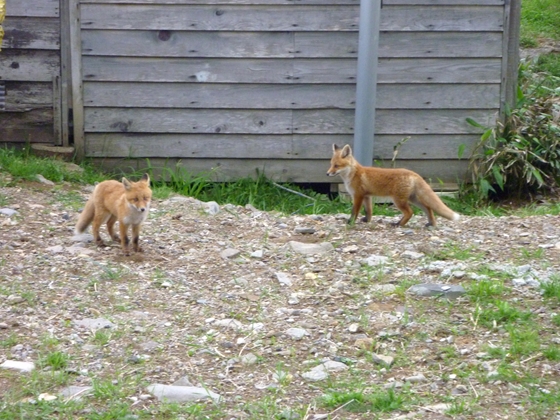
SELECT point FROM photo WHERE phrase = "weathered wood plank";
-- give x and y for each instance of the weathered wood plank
(32, 32)
(21, 136)
(142, 120)
(225, 18)
(440, 18)
(206, 146)
(405, 122)
(35, 8)
(443, 2)
(287, 45)
(274, 122)
(300, 18)
(289, 71)
(243, 2)
(36, 117)
(29, 65)
(261, 96)
(22, 96)
(174, 95)
(279, 170)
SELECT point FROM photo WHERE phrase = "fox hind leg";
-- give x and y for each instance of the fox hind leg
(407, 212)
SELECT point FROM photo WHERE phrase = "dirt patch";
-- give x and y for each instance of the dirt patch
(168, 304)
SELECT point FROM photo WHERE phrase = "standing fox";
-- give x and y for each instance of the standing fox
(126, 202)
(402, 185)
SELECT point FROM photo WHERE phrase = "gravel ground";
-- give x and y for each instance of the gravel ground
(229, 298)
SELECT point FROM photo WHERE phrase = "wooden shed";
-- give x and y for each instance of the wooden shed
(241, 86)
(31, 74)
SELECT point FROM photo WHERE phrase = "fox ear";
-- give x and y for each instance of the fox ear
(126, 184)
(346, 151)
(335, 147)
(145, 178)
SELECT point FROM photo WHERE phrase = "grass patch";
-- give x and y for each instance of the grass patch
(539, 18)
(500, 313)
(362, 402)
(551, 288)
(22, 165)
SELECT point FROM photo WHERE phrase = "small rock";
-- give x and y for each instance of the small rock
(211, 207)
(57, 249)
(75, 392)
(350, 249)
(374, 260)
(416, 378)
(429, 289)
(257, 254)
(229, 253)
(44, 180)
(284, 278)
(8, 212)
(14, 299)
(46, 397)
(354, 328)
(93, 324)
(16, 365)
(229, 323)
(181, 394)
(411, 255)
(249, 359)
(381, 359)
(311, 249)
(304, 230)
(296, 333)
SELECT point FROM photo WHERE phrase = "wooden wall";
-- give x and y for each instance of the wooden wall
(241, 85)
(30, 70)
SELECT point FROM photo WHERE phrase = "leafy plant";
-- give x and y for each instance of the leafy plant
(521, 155)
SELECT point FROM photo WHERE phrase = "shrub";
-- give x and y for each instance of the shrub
(521, 155)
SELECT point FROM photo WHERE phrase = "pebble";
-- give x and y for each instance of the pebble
(229, 253)
(17, 365)
(311, 249)
(182, 394)
(8, 212)
(381, 359)
(296, 333)
(44, 180)
(431, 289)
(93, 323)
(284, 279)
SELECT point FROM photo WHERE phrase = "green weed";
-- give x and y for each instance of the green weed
(551, 288)
(360, 401)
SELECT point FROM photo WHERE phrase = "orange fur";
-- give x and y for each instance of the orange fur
(402, 185)
(126, 202)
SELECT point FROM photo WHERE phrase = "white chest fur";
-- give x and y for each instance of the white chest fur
(135, 216)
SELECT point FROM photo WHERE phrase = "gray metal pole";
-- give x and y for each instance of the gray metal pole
(366, 81)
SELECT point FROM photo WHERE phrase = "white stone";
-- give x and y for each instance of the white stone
(16, 365)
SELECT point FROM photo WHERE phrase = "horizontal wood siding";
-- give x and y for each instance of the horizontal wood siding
(29, 64)
(241, 85)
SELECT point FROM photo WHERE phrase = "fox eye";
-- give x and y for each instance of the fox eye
(135, 199)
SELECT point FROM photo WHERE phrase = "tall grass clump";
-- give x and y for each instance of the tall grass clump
(520, 156)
